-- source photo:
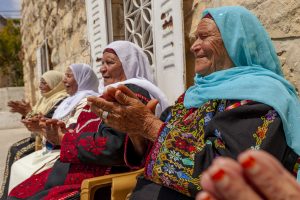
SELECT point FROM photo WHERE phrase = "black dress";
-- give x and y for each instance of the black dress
(192, 138)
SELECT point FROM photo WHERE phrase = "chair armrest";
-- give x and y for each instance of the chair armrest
(121, 185)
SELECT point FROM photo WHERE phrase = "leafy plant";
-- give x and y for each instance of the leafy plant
(10, 47)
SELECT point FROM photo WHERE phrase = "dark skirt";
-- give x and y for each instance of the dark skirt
(18, 150)
(147, 190)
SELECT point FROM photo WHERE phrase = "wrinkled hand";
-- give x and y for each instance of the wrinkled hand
(126, 113)
(21, 107)
(256, 175)
(53, 130)
(32, 123)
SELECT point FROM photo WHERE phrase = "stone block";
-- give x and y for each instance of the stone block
(67, 24)
(288, 52)
(61, 10)
(280, 18)
(50, 25)
(79, 19)
(54, 57)
(62, 52)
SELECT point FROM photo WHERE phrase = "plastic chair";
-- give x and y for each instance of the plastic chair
(121, 185)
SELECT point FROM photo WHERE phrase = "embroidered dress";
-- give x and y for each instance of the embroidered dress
(85, 153)
(192, 138)
(17, 151)
(42, 159)
(199, 130)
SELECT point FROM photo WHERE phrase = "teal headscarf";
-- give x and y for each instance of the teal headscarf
(257, 73)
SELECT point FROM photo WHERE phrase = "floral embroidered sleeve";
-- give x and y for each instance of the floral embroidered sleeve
(192, 138)
(87, 122)
(104, 147)
(255, 126)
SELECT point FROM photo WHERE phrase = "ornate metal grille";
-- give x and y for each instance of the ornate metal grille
(138, 25)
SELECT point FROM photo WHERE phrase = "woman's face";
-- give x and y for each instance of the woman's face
(44, 87)
(210, 53)
(70, 82)
(111, 69)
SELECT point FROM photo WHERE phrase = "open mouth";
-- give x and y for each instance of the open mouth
(106, 77)
(200, 56)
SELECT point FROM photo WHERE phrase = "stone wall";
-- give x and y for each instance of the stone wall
(282, 21)
(63, 24)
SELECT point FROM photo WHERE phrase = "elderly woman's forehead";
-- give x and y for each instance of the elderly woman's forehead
(42, 80)
(110, 55)
(69, 70)
(207, 24)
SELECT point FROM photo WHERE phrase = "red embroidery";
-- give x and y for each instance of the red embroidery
(87, 122)
(95, 146)
(72, 184)
(142, 98)
(31, 185)
(69, 152)
(238, 104)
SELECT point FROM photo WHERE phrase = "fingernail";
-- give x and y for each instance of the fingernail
(204, 196)
(248, 162)
(250, 165)
(218, 175)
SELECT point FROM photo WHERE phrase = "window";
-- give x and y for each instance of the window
(43, 59)
(138, 25)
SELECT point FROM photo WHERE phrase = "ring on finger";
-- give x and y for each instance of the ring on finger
(105, 114)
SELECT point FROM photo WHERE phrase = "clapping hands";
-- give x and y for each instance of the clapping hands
(32, 123)
(21, 107)
(53, 130)
(126, 113)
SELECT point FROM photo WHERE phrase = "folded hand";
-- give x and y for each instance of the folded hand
(53, 130)
(126, 113)
(32, 123)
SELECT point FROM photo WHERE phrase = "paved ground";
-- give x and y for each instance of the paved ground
(7, 138)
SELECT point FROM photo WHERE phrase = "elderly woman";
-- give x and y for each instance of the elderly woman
(52, 93)
(93, 148)
(240, 100)
(79, 81)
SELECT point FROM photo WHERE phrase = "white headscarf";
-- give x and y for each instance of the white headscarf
(134, 61)
(87, 82)
(137, 70)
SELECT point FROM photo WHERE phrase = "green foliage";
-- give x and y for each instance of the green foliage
(10, 47)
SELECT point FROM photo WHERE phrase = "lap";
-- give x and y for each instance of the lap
(31, 164)
(147, 190)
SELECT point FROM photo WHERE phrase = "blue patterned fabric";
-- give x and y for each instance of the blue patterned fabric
(257, 73)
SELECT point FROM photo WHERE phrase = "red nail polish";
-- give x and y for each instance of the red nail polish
(248, 163)
(219, 175)
(206, 198)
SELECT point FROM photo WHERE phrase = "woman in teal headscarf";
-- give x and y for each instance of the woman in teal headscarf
(240, 100)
